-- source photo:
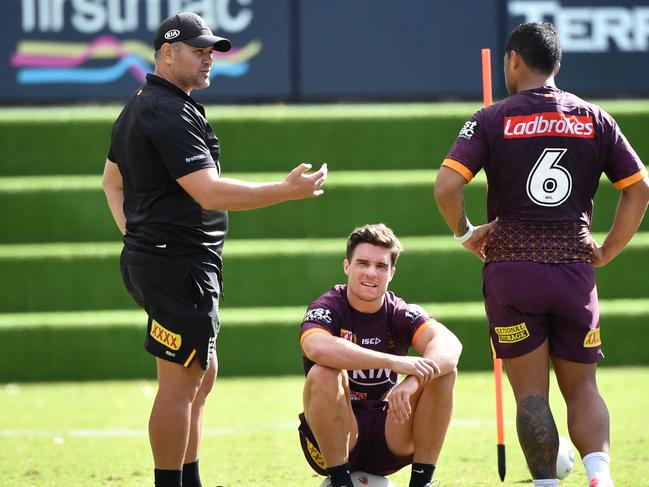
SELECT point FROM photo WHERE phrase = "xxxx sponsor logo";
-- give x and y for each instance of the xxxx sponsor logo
(512, 334)
(347, 335)
(593, 339)
(549, 124)
(164, 336)
(315, 454)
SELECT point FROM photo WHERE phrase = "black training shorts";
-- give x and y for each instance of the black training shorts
(181, 298)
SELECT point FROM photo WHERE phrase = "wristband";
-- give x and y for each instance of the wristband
(466, 236)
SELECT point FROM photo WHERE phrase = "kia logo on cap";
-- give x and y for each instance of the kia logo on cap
(172, 33)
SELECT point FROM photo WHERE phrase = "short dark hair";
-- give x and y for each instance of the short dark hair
(538, 44)
(376, 234)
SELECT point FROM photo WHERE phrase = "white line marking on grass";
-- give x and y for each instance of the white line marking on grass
(238, 430)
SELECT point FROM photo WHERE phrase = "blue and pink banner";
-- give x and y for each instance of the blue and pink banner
(101, 50)
(52, 62)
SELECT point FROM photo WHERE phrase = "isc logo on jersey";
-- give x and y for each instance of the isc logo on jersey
(370, 341)
(549, 124)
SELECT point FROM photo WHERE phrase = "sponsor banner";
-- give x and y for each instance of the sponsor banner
(315, 454)
(592, 339)
(549, 124)
(605, 43)
(512, 334)
(321, 315)
(357, 396)
(102, 49)
(371, 377)
(298, 50)
(167, 338)
(347, 335)
(468, 130)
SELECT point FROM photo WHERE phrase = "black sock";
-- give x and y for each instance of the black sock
(167, 478)
(340, 476)
(422, 474)
(191, 477)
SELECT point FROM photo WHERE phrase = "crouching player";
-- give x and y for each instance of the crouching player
(355, 339)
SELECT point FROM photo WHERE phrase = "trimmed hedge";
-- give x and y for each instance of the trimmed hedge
(268, 273)
(272, 273)
(262, 347)
(397, 139)
(62, 212)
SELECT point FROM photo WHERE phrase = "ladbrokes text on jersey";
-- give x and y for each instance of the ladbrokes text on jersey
(549, 124)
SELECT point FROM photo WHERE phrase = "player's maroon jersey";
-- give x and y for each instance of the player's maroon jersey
(543, 151)
(392, 329)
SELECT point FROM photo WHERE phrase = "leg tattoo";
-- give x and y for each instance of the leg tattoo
(538, 436)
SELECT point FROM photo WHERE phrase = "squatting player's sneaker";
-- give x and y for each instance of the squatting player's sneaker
(433, 483)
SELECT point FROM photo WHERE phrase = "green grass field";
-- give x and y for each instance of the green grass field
(94, 434)
(87, 434)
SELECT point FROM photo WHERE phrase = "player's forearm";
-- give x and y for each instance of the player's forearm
(630, 211)
(448, 194)
(235, 195)
(451, 206)
(115, 198)
(342, 354)
(113, 185)
(445, 350)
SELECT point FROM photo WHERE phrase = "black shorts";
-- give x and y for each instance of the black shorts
(370, 454)
(181, 298)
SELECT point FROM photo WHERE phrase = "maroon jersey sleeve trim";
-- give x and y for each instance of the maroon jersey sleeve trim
(459, 167)
(424, 326)
(309, 332)
(626, 182)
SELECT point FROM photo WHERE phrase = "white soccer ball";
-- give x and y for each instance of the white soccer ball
(565, 458)
(364, 479)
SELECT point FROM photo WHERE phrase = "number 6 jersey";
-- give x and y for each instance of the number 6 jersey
(543, 151)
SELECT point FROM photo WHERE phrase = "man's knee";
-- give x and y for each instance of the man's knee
(182, 384)
(209, 377)
(325, 380)
(442, 385)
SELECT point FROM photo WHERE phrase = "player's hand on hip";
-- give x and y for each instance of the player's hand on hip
(399, 400)
(424, 369)
(599, 255)
(301, 185)
(478, 240)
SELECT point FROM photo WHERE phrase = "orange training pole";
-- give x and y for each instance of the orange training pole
(498, 365)
(486, 77)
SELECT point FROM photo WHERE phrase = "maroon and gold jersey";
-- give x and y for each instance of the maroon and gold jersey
(543, 152)
(393, 329)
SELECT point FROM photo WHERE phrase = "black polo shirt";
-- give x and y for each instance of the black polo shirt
(161, 135)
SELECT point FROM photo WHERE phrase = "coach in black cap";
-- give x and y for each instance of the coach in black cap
(163, 184)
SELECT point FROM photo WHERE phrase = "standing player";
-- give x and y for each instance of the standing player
(543, 151)
(163, 185)
(355, 339)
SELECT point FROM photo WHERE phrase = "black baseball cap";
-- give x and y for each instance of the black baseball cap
(191, 29)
